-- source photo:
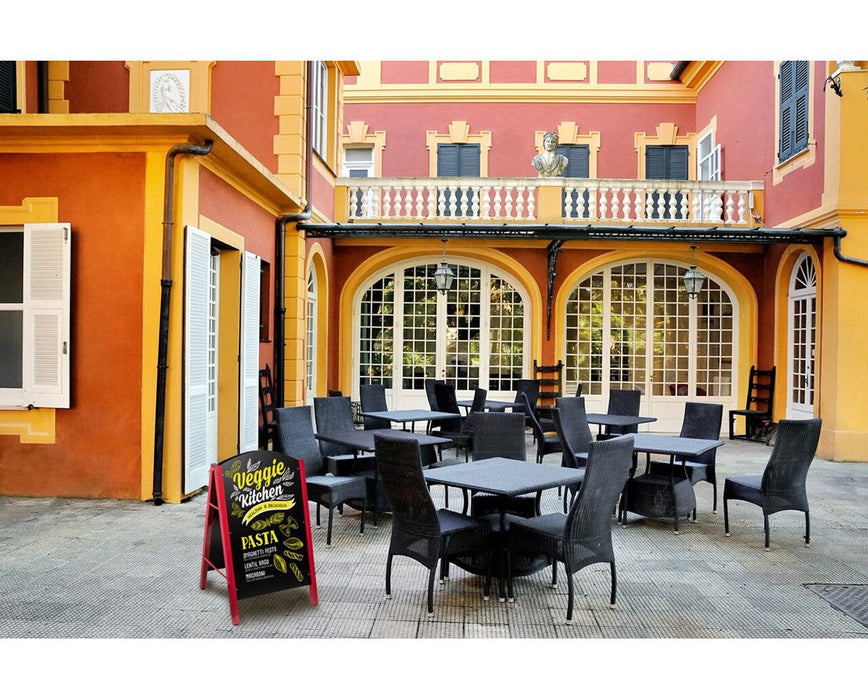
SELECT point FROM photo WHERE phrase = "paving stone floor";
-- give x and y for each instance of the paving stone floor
(115, 570)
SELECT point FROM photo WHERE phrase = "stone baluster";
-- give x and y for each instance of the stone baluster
(729, 207)
(603, 205)
(742, 205)
(530, 203)
(387, 202)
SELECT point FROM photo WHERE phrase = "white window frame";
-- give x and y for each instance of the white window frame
(248, 409)
(311, 317)
(366, 164)
(708, 158)
(45, 324)
(319, 109)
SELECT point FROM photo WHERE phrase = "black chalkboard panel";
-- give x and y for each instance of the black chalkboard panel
(258, 501)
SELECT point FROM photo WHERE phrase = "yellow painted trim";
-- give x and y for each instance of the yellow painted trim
(199, 99)
(458, 132)
(358, 134)
(666, 135)
(568, 133)
(152, 247)
(575, 71)
(782, 317)
(697, 74)
(316, 260)
(36, 425)
(407, 251)
(186, 210)
(21, 85)
(745, 297)
(808, 157)
(58, 77)
(224, 235)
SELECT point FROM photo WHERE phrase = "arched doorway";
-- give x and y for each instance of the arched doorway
(802, 332)
(474, 335)
(631, 325)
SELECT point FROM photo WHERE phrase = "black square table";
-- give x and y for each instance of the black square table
(363, 441)
(409, 415)
(660, 496)
(492, 405)
(617, 421)
(503, 477)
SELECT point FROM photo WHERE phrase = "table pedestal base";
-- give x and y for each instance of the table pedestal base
(658, 496)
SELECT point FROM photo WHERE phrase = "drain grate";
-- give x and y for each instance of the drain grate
(851, 599)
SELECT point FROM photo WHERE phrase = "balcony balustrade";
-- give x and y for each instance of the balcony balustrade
(537, 200)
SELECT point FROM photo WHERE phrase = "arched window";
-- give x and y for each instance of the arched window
(632, 326)
(802, 338)
(474, 335)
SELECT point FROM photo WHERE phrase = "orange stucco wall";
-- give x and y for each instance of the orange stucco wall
(97, 453)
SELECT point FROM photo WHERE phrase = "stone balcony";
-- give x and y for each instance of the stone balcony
(548, 200)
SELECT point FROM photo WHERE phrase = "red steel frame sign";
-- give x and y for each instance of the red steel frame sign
(262, 539)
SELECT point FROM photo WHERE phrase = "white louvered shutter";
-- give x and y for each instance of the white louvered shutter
(248, 410)
(196, 297)
(46, 314)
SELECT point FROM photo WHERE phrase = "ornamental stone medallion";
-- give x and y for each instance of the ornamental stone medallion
(170, 91)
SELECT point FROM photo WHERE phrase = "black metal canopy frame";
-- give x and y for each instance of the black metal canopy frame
(558, 234)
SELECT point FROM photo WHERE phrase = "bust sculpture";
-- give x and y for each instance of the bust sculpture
(548, 163)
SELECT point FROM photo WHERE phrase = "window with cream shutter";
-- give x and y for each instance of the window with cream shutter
(35, 316)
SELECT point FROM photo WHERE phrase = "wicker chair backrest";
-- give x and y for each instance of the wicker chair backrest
(400, 466)
(295, 437)
(590, 516)
(783, 482)
(373, 398)
(498, 434)
(333, 414)
(574, 421)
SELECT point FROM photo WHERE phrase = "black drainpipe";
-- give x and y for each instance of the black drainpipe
(42, 87)
(166, 289)
(280, 251)
(846, 258)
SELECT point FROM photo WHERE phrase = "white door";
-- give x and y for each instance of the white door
(802, 339)
(201, 282)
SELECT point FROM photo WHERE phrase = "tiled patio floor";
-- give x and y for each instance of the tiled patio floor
(124, 570)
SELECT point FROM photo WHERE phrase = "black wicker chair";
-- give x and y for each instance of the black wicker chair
(335, 414)
(782, 485)
(294, 436)
(702, 421)
(571, 423)
(419, 530)
(545, 435)
(622, 402)
(459, 430)
(584, 535)
(373, 398)
(501, 435)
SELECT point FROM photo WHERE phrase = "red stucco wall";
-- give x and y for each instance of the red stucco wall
(242, 101)
(98, 86)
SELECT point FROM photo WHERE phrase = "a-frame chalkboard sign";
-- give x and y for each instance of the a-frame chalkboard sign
(257, 526)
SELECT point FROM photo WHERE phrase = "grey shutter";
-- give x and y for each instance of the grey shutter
(578, 166)
(666, 163)
(794, 83)
(8, 88)
(458, 160)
